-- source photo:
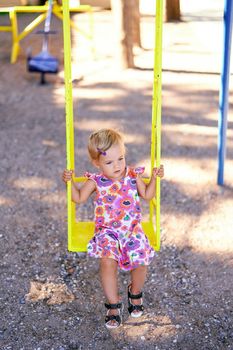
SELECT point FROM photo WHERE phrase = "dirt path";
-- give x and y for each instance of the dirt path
(51, 299)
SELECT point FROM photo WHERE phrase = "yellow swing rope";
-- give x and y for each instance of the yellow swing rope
(69, 110)
(156, 114)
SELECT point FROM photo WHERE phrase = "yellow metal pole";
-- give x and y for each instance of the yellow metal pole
(5, 29)
(156, 113)
(69, 110)
(32, 26)
(15, 39)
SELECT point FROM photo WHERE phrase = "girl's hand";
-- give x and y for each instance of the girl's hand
(67, 175)
(158, 172)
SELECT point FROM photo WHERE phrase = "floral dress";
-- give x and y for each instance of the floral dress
(118, 231)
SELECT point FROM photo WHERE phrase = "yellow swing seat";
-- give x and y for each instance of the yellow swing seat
(83, 231)
(80, 232)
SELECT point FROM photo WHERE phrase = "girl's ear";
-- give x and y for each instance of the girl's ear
(95, 162)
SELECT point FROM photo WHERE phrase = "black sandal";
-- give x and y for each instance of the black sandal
(132, 307)
(116, 318)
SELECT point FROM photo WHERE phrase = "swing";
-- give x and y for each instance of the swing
(79, 233)
(44, 62)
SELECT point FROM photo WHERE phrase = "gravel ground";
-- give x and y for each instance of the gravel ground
(50, 298)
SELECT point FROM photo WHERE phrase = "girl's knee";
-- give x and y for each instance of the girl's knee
(108, 263)
(141, 268)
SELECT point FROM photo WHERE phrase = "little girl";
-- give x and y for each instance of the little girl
(118, 239)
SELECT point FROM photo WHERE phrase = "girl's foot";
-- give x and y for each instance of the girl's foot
(135, 303)
(113, 318)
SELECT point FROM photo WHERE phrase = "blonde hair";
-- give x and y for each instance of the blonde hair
(100, 141)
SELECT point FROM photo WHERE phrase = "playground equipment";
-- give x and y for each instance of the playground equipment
(79, 233)
(224, 89)
(13, 11)
(44, 62)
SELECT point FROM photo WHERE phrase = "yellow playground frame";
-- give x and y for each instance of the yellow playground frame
(79, 233)
(57, 10)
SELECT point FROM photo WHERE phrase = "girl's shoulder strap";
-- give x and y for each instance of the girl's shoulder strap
(97, 178)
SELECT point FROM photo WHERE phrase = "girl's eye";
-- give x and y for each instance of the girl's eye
(108, 163)
(121, 158)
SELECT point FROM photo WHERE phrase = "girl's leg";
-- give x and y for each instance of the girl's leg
(138, 277)
(108, 275)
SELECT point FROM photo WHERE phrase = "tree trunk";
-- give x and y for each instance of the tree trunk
(172, 12)
(123, 20)
(136, 24)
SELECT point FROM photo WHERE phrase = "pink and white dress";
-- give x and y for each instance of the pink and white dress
(118, 231)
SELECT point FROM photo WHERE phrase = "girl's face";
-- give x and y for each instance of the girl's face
(112, 164)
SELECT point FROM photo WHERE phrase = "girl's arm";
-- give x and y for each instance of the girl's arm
(79, 195)
(147, 191)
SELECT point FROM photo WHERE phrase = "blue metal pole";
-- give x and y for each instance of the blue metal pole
(224, 89)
